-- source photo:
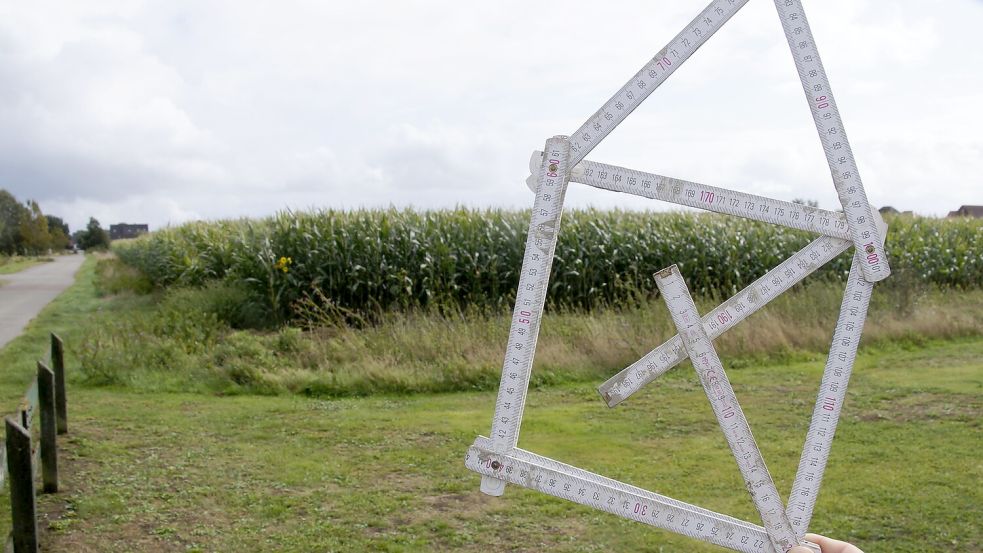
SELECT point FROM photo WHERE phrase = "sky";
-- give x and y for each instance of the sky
(165, 112)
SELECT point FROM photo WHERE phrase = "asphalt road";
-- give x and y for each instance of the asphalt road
(24, 294)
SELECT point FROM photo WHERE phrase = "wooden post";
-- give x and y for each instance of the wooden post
(58, 365)
(49, 446)
(22, 505)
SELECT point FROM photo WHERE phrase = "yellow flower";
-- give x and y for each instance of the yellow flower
(283, 263)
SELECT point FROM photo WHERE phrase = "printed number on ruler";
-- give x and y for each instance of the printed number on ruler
(529, 300)
(839, 155)
(651, 76)
(702, 196)
(727, 409)
(591, 490)
(829, 401)
(724, 317)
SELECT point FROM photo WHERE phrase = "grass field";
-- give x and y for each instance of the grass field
(151, 471)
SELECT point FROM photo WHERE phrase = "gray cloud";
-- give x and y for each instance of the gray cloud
(164, 112)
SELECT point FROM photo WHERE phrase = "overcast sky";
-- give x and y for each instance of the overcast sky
(163, 112)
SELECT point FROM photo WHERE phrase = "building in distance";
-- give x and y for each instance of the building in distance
(968, 211)
(123, 231)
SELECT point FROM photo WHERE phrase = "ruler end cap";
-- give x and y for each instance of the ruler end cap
(667, 272)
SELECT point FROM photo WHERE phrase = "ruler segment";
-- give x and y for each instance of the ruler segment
(544, 224)
(724, 317)
(839, 155)
(651, 76)
(592, 490)
(725, 406)
(829, 400)
(703, 196)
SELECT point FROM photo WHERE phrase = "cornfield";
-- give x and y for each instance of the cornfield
(367, 261)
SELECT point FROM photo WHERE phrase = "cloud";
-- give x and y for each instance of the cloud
(164, 112)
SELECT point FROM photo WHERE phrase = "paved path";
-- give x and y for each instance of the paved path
(24, 294)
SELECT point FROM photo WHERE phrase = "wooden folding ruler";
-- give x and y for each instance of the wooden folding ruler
(498, 459)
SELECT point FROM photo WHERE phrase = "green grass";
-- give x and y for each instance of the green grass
(150, 471)
(191, 340)
(179, 472)
(16, 264)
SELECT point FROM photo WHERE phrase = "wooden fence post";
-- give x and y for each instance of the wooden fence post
(49, 446)
(58, 365)
(22, 505)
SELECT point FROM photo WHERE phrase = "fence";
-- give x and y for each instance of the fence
(21, 455)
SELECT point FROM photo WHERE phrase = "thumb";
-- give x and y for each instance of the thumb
(800, 549)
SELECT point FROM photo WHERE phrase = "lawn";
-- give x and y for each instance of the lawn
(200, 472)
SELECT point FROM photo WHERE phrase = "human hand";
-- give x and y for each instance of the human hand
(827, 545)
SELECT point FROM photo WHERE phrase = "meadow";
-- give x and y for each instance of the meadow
(202, 472)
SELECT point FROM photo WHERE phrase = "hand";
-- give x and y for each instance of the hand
(827, 545)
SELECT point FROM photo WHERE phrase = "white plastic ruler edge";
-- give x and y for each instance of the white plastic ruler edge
(564, 481)
(544, 224)
(728, 314)
(703, 196)
(829, 125)
(726, 408)
(651, 76)
(830, 397)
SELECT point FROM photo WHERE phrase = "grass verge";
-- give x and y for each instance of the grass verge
(192, 340)
(17, 263)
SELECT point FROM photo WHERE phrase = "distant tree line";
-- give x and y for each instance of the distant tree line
(26, 230)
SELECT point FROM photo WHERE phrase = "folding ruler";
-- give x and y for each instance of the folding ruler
(499, 460)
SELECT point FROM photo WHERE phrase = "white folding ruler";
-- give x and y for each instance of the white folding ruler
(499, 460)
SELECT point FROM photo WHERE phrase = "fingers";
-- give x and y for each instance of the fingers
(829, 545)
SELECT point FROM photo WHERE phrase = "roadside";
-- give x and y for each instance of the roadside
(28, 291)
(15, 264)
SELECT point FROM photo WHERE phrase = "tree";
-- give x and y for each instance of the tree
(33, 228)
(94, 236)
(11, 214)
(58, 229)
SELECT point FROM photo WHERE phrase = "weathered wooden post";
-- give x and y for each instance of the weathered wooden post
(58, 365)
(49, 446)
(22, 506)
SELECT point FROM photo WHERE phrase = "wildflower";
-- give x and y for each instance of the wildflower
(283, 264)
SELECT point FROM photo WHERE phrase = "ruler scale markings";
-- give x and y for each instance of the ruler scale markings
(530, 297)
(702, 196)
(548, 207)
(498, 459)
(617, 498)
(653, 74)
(829, 400)
(829, 125)
(727, 409)
(483, 443)
(724, 317)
